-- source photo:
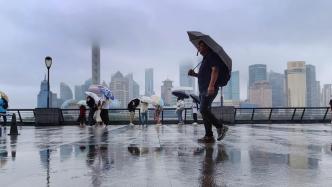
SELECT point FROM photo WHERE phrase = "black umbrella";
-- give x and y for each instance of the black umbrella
(134, 103)
(195, 98)
(180, 94)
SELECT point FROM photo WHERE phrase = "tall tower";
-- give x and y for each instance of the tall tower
(296, 84)
(149, 82)
(232, 90)
(257, 72)
(95, 64)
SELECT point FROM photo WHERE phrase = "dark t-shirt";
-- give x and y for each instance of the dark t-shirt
(204, 74)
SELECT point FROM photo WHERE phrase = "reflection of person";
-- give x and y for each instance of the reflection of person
(131, 109)
(82, 118)
(144, 113)
(331, 108)
(179, 110)
(92, 109)
(157, 114)
(208, 90)
(194, 109)
(3, 110)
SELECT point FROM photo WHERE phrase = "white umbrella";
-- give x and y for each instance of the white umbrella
(94, 96)
(82, 102)
(156, 100)
(146, 99)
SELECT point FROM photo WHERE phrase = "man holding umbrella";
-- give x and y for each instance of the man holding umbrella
(208, 82)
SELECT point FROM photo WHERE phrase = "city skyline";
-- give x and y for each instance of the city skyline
(145, 35)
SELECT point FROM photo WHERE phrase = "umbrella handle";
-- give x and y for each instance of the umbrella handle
(197, 65)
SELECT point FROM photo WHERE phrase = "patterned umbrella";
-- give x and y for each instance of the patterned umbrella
(156, 100)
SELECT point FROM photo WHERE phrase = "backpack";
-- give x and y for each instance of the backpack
(5, 104)
(224, 75)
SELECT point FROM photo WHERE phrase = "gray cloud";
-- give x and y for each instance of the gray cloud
(147, 33)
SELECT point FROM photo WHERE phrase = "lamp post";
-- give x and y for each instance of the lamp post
(48, 63)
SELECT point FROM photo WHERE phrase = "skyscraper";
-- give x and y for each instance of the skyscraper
(130, 80)
(81, 89)
(232, 90)
(136, 93)
(277, 82)
(296, 84)
(312, 91)
(65, 92)
(149, 82)
(166, 92)
(119, 87)
(257, 72)
(95, 64)
(185, 80)
(326, 94)
(42, 96)
(260, 94)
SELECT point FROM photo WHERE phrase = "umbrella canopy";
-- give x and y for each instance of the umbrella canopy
(156, 100)
(95, 88)
(146, 99)
(195, 98)
(107, 92)
(3, 95)
(180, 94)
(94, 96)
(195, 37)
(134, 102)
(82, 102)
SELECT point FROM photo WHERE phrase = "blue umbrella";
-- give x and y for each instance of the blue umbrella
(107, 93)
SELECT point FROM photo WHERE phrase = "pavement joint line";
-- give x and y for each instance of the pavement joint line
(68, 143)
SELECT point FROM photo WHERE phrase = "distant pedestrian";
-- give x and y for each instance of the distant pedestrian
(208, 89)
(97, 114)
(331, 108)
(3, 110)
(194, 110)
(179, 110)
(105, 105)
(131, 108)
(82, 117)
(144, 113)
(92, 109)
(157, 113)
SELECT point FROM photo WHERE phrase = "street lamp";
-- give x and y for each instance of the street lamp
(48, 63)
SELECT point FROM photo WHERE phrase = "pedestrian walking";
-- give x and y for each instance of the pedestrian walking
(157, 113)
(97, 114)
(144, 113)
(92, 109)
(208, 73)
(82, 117)
(179, 110)
(105, 105)
(3, 110)
(194, 108)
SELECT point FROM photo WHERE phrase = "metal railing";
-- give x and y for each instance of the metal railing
(168, 115)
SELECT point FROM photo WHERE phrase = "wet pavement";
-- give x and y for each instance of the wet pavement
(168, 155)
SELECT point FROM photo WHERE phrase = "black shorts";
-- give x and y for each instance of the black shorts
(104, 116)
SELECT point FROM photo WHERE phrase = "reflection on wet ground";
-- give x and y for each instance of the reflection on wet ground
(169, 155)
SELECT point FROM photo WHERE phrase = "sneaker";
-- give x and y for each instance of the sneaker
(206, 139)
(131, 124)
(195, 123)
(222, 132)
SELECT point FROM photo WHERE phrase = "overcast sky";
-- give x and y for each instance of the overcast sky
(135, 35)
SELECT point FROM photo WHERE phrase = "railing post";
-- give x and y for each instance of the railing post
(270, 114)
(293, 114)
(139, 116)
(185, 115)
(19, 115)
(253, 113)
(302, 114)
(327, 110)
(235, 109)
(162, 116)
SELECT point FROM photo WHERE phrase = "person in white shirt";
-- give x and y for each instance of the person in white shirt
(195, 109)
(179, 110)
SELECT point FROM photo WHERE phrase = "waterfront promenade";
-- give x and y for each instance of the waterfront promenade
(168, 155)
